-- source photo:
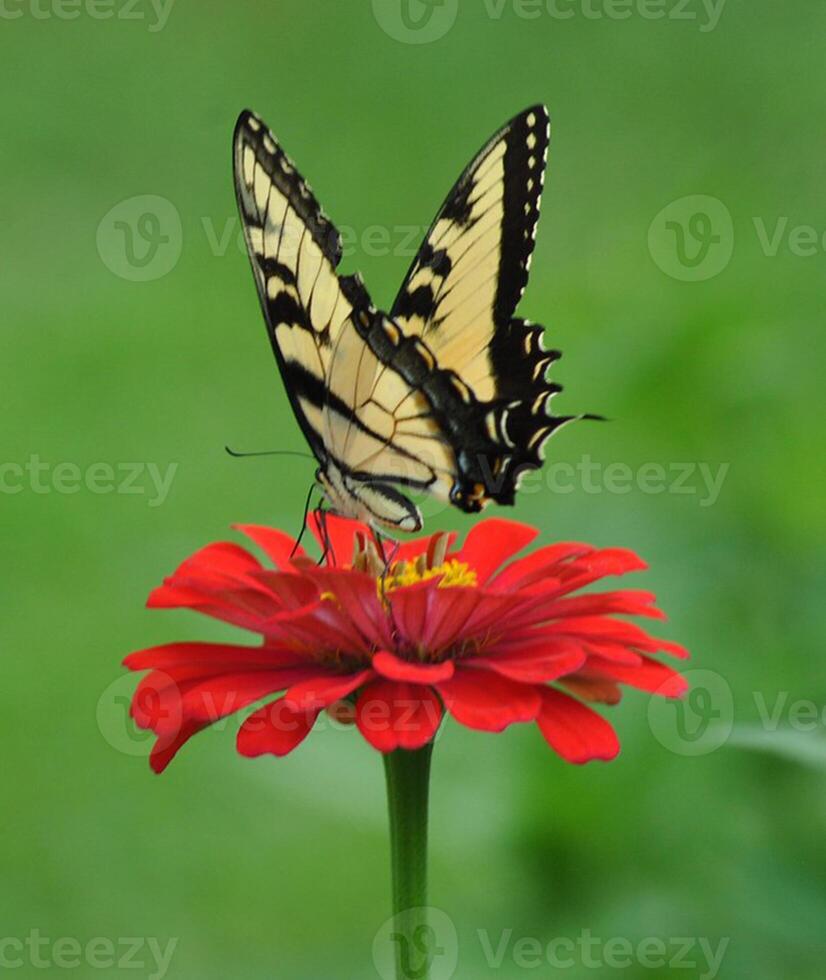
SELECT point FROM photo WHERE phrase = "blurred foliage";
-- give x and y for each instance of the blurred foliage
(279, 869)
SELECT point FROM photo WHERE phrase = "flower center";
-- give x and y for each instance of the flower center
(452, 573)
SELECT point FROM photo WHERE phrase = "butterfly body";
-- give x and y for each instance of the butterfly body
(447, 392)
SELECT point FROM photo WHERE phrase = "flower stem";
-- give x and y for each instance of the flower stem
(408, 781)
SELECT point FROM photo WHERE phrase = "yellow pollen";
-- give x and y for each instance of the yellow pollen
(452, 573)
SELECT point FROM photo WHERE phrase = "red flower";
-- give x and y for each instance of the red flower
(392, 647)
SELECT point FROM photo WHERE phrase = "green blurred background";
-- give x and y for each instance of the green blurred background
(710, 825)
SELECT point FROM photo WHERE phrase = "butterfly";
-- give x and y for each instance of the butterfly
(447, 392)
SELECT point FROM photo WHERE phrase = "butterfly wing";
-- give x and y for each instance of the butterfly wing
(460, 297)
(310, 313)
(294, 251)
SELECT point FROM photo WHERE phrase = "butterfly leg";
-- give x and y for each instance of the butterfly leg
(313, 487)
(321, 517)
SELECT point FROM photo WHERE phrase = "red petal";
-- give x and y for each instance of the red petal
(321, 691)
(410, 606)
(494, 613)
(217, 562)
(486, 701)
(275, 729)
(492, 542)
(650, 675)
(592, 688)
(616, 653)
(534, 667)
(630, 602)
(168, 596)
(291, 591)
(435, 618)
(275, 544)
(355, 592)
(393, 715)
(448, 615)
(243, 606)
(574, 731)
(166, 747)
(599, 564)
(320, 626)
(538, 565)
(602, 629)
(210, 655)
(395, 669)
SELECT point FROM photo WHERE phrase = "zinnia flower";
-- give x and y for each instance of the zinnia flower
(490, 639)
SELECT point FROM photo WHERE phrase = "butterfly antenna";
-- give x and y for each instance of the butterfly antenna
(274, 452)
(298, 540)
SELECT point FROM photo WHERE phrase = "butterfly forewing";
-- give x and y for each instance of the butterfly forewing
(465, 283)
(460, 297)
(294, 250)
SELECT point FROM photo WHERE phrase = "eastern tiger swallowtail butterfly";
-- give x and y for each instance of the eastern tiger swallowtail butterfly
(446, 393)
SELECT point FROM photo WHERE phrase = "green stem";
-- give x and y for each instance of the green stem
(408, 781)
